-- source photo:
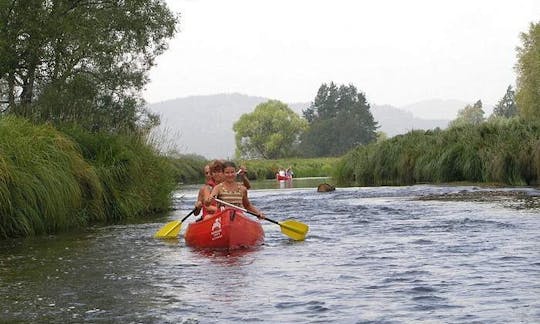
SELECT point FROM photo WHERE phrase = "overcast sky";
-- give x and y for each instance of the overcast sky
(396, 52)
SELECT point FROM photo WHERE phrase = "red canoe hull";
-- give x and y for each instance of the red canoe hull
(229, 229)
(280, 177)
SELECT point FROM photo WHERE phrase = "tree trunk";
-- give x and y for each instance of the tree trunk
(28, 85)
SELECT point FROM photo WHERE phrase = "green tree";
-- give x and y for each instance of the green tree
(506, 107)
(528, 74)
(80, 61)
(271, 131)
(470, 115)
(339, 119)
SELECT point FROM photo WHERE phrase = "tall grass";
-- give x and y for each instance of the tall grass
(505, 151)
(53, 180)
(45, 184)
(136, 180)
(188, 168)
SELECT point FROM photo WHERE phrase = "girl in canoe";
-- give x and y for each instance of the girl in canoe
(214, 175)
(231, 191)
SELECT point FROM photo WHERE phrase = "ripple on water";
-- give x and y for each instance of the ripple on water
(406, 276)
(422, 290)
(423, 242)
(306, 307)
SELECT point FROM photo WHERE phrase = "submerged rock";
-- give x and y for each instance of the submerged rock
(325, 187)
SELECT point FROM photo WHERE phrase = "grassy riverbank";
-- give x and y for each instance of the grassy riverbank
(503, 151)
(267, 169)
(53, 180)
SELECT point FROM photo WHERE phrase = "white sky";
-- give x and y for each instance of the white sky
(396, 52)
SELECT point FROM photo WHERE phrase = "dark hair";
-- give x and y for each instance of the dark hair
(217, 166)
(229, 164)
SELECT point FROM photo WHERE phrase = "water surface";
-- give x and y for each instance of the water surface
(372, 254)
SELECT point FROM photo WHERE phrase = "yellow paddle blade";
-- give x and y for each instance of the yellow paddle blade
(294, 229)
(169, 230)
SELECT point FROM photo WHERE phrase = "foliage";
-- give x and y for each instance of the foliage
(470, 115)
(271, 131)
(528, 74)
(45, 184)
(188, 168)
(506, 107)
(136, 181)
(339, 119)
(81, 61)
(260, 169)
(500, 150)
(51, 181)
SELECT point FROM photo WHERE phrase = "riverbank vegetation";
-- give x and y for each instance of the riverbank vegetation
(261, 169)
(505, 151)
(73, 125)
(52, 180)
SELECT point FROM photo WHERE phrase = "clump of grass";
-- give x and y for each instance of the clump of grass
(54, 180)
(188, 168)
(45, 184)
(137, 181)
(498, 151)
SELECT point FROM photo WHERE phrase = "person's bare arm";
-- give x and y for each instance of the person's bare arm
(215, 191)
(200, 201)
(247, 204)
(245, 181)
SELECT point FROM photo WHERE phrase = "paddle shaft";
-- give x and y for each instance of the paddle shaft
(244, 210)
(296, 231)
(183, 219)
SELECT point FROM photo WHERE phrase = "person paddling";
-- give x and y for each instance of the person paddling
(214, 175)
(242, 172)
(231, 191)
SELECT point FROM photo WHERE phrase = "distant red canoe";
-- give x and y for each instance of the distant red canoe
(229, 229)
(280, 177)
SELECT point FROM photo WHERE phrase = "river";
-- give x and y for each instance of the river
(376, 255)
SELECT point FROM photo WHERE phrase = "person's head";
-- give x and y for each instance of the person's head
(207, 172)
(229, 171)
(216, 169)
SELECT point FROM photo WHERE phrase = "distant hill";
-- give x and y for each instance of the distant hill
(203, 124)
(442, 109)
(394, 121)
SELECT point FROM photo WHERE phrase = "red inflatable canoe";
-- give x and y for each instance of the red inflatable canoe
(280, 177)
(228, 229)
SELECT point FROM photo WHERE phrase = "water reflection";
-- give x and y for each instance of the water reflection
(226, 257)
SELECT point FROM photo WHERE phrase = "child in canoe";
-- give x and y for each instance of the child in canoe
(231, 191)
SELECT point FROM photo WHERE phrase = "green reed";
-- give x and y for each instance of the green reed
(136, 180)
(505, 151)
(53, 180)
(43, 180)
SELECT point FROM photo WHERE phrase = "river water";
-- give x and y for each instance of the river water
(376, 255)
